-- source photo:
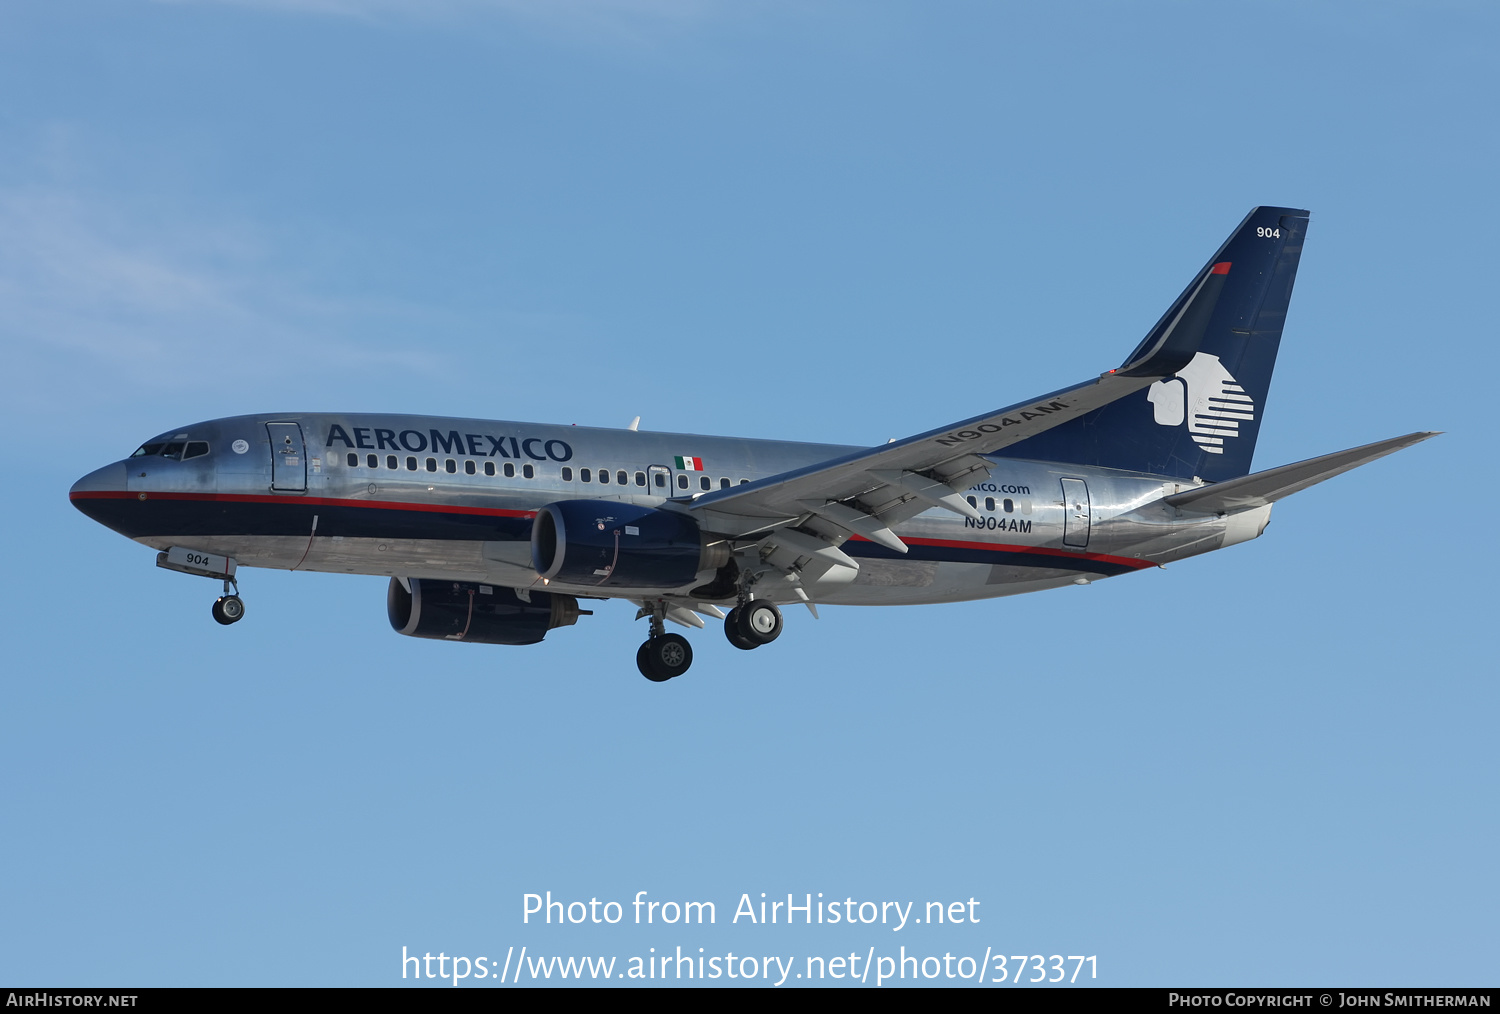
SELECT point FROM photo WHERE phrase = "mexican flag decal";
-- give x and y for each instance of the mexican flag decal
(689, 464)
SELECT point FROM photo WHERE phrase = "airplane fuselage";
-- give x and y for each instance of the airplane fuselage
(454, 499)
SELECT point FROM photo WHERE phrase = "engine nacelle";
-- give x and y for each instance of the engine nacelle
(482, 613)
(612, 544)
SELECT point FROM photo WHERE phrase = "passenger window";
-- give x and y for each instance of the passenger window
(411, 464)
(432, 464)
(1009, 505)
(390, 461)
(640, 478)
(567, 474)
(744, 482)
(353, 460)
(681, 481)
(510, 470)
(661, 479)
(528, 471)
(489, 468)
(972, 502)
(371, 461)
(604, 475)
(621, 477)
(468, 468)
(989, 503)
(706, 482)
(723, 483)
(451, 466)
(195, 449)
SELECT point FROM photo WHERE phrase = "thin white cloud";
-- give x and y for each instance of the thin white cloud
(102, 303)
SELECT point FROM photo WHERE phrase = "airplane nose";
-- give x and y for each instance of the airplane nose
(100, 494)
(109, 479)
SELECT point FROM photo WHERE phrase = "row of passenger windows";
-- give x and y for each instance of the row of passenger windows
(431, 464)
(1007, 504)
(528, 471)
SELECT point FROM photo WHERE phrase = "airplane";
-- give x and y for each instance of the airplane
(495, 532)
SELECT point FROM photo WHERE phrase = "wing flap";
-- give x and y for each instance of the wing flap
(858, 522)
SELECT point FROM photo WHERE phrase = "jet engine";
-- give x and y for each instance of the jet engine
(613, 544)
(485, 614)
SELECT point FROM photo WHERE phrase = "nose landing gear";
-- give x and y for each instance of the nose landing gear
(230, 608)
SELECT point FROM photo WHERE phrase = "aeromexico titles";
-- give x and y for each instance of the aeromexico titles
(494, 532)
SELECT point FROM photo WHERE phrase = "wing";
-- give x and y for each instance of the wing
(867, 492)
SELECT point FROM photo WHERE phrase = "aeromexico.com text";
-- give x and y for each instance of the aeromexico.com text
(766, 910)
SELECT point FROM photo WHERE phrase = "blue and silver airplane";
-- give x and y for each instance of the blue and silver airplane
(493, 532)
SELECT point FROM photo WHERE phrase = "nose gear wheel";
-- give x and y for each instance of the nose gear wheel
(229, 609)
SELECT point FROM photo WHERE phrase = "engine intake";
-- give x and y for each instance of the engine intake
(482, 613)
(613, 544)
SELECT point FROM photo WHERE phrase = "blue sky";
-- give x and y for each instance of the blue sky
(828, 221)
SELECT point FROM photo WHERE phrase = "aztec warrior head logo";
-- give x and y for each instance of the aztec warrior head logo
(1204, 394)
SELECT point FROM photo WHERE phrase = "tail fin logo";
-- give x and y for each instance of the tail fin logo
(1207, 397)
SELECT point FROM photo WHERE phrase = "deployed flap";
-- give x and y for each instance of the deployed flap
(1271, 485)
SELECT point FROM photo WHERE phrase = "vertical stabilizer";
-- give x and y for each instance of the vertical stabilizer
(1218, 342)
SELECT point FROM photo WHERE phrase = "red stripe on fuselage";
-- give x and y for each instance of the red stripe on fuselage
(498, 512)
(1005, 547)
(389, 505)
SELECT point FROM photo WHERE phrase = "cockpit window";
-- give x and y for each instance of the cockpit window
(175, 449)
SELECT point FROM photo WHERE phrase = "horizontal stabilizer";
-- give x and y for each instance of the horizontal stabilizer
(1267, 487)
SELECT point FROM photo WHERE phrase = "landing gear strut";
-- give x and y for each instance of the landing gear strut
(230, 608)
(664, 656)
(753, 624)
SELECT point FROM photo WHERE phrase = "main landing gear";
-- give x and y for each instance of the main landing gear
(230, 608)
(664, 656)
(753, 624)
